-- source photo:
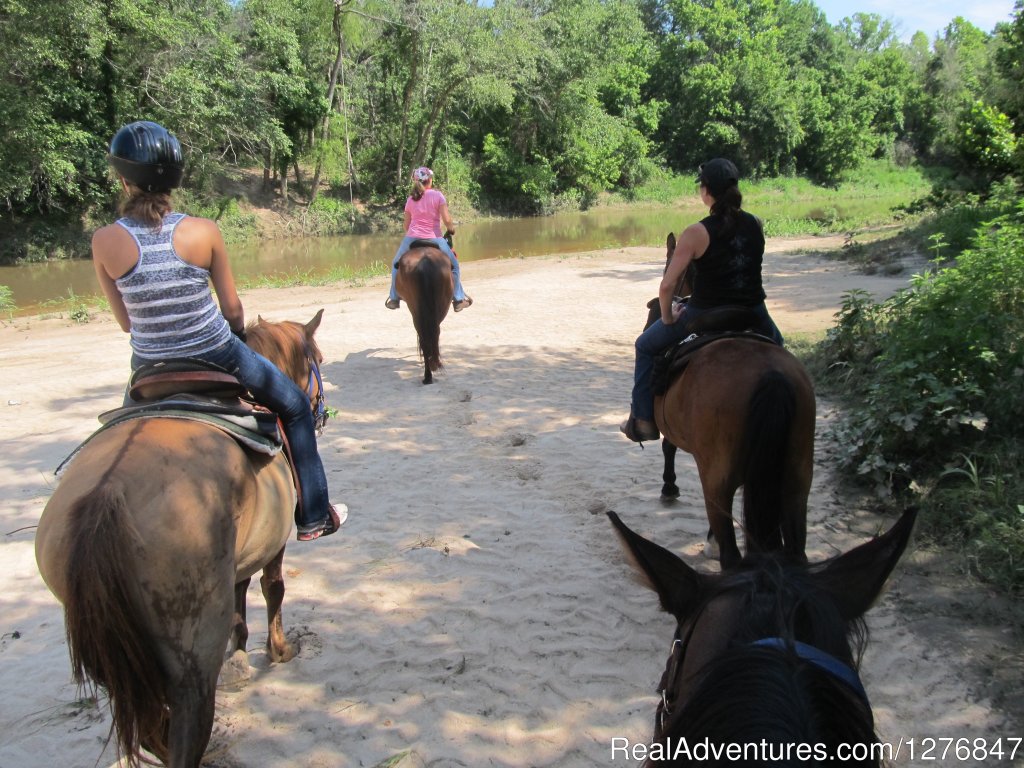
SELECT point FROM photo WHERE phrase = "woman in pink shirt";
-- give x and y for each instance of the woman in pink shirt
(425, 209)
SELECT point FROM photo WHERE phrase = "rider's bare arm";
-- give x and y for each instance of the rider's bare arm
(691, 245)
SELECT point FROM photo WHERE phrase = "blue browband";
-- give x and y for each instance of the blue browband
(838, 669)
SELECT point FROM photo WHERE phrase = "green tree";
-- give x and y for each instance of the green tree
(985, 141)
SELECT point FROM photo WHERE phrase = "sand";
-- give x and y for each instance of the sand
(476, 609)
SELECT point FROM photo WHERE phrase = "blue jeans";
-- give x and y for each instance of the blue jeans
(282, 395)
(658, 338)
(442, 244)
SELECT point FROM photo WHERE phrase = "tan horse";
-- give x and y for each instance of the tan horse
(426, 284)
(150, 541)
(745, 410)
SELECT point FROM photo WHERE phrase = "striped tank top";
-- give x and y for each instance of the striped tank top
(169, 302)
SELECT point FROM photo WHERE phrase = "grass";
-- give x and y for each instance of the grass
(340, 274)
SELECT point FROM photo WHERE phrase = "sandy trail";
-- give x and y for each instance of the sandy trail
(476, 609)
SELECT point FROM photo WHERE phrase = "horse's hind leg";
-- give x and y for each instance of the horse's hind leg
(272, 583)
(239, 629)
(192, 707)
(718, 503)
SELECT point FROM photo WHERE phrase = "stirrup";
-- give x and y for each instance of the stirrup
(629, 429)
(392, 303)
(462, 304)
(326, 527)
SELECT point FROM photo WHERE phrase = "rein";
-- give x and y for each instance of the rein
(319, 403)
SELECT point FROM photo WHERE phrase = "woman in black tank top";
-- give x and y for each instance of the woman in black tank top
(726, 249)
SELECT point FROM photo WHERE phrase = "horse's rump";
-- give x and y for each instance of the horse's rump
(425, 282)
(745, 409)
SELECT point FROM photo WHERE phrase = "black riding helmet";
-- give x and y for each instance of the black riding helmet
(147, 155)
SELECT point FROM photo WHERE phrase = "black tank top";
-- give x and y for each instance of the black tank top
(729, 271)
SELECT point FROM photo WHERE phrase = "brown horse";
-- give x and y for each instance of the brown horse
(745, 410)
(150, 540)
(766, 653)
(426, 284)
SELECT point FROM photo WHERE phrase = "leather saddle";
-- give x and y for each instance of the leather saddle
(175, 377)
(725, 322)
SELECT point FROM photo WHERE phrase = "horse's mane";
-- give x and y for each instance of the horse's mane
(285, 344)
(780, 599)
(751, 695)
(748, 692)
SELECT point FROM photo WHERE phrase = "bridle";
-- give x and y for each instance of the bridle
(836, 668)
(316, 398)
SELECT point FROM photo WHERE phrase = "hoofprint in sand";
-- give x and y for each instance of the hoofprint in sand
(476, 609)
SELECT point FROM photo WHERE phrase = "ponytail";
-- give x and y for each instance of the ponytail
(147, 208)
(417, 189)
(727, 205)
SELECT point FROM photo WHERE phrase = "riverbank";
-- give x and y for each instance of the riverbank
(476, 608)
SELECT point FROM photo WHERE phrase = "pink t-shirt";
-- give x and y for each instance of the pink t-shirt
(426, 214)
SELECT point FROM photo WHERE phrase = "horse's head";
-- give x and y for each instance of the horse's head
(767, 650)
(682, 289)
(291, 346)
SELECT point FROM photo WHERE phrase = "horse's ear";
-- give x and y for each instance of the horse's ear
(671, 243)
(313, 324)
(855, 579)
(260, 320)
(680, 588)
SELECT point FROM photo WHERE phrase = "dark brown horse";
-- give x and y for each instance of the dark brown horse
(766, 653)
(150, 540)
(745, 410)
(426, 284)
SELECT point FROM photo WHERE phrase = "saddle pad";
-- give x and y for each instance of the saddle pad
(253, 427)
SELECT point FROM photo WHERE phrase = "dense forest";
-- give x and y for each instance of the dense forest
(524, 105)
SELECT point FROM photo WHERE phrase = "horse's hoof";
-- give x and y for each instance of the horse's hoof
(235, 671)
(669, 493)
(711, 551)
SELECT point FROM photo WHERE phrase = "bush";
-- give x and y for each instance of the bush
(937, 377)
(328, 216)
(7, 305)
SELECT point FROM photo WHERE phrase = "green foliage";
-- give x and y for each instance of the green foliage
(934, 378)
(328, 216)
(524, 184)
(7, 305)
(974, 504)
(985, 140)
(939, 366)
(236, 224)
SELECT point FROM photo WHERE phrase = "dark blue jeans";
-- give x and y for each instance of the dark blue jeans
(283, 396)
(658, 338)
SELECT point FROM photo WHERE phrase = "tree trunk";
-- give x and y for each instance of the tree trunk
(406, 107)
(332, 84)
(419, 156)
(298, 175)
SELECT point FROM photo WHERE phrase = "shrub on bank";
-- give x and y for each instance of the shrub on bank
(935, 377)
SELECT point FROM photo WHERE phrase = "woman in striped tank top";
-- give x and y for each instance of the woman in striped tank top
(155, 266)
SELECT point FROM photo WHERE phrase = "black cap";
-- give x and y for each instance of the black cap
(718, 175)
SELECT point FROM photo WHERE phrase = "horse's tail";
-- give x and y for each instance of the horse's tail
(429, 310)
(107, 641)
(768, 427)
